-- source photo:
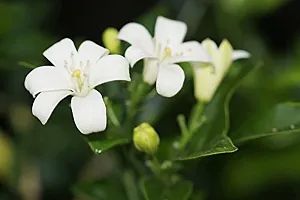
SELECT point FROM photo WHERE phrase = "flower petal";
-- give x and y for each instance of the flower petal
(169, 80)
(210, 47)
(150, 70)
(240, 54)
(109, 68)
(224, 58)
(138, 36)
(89, 112)
(169, 30)
(189, 52)
(91, 52)
(206, 82)
(45, 103)
(61, 53)
(47, 78)
(133, 55)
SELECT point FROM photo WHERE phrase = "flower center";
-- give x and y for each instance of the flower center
(77, 74)
(162, 50)
(167, 52)
(78, 71)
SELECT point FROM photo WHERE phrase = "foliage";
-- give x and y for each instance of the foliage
(253, 118)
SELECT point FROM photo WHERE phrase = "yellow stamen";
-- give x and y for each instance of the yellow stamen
(168, 52)
(76, 73)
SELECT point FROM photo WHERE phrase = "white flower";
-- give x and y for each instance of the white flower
(206, 79)
(75, 73)
(162, 52)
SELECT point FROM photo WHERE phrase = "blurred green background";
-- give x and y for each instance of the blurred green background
(44, 162)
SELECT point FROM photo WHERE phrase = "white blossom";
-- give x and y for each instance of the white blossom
(75, 73)
(161, 53)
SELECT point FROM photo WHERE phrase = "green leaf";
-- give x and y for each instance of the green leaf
(152, 188)
(281, 118)
(98, 146)
(212, 137)
(156, 189)
(130, 185)
(113, 136)
(101, 190)
(223, 144)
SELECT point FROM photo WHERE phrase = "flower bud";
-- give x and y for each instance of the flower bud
(207, 78)
(110, 40)
(145, 138)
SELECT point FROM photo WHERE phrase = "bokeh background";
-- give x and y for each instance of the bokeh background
(44, 162)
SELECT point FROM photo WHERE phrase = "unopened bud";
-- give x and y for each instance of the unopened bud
(145, 138)
(206, 79)
(110, 40)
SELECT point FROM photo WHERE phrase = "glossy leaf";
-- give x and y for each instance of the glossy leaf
(98, 146)
(212, 137)
(156, 189)
(221, 145)
(282, 118)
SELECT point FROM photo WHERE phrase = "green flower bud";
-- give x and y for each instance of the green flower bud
(110, 40)
(145, 138)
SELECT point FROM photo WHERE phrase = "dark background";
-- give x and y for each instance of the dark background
(44, 162)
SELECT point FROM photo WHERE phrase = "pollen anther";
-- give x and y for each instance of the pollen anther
(76, 73)
(168, 52)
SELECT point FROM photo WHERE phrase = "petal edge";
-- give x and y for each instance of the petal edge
(89, 112)
(61, 52)
(133, 55)
(47, 78)
(240, 54)
(45, 103)
(137, 35)
(90, 51)
(109, 68)
(170, 80)
(170, 30)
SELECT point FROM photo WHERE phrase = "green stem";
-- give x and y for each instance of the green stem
(151, 94)
(195, 115)
(111, 113)
(139, 167)
(135, 99)
(155, 166)
(182, 124)
(195, 122)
